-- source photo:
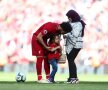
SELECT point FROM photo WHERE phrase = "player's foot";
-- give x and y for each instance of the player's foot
(73, 80)
(42, 81)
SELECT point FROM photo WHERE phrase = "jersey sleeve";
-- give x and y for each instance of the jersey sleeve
(49, 28)
(44, 32)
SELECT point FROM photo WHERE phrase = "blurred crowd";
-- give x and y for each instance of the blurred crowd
(20, 18)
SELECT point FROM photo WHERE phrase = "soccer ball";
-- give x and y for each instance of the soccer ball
(20, 77)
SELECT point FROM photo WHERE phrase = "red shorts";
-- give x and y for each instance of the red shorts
(37, 48)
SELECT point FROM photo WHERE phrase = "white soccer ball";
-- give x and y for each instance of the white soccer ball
(20, 77)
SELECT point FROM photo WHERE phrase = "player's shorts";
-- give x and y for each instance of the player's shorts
(37, 48)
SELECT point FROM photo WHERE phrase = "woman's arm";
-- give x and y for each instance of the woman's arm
(77, 28)
(74, 34)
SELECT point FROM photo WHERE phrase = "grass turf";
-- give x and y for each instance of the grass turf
(60, 86)
(58, 77)
(87, 82)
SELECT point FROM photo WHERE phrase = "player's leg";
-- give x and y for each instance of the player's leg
(38, 52)
(72, 66)
(46, 67)
(39, 67)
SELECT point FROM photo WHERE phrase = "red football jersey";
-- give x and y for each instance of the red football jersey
(47, 30)
(55, 54)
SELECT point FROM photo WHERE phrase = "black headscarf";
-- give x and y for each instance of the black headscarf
(76, 18)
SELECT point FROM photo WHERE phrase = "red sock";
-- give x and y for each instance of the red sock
(47, 76)
(47, 68)
(39, 68)
(39, 77)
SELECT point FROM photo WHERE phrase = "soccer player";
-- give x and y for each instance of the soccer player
(40, 47)
(74, 43)
(54, 56)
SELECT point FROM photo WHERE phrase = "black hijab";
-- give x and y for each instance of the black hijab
(76, 18)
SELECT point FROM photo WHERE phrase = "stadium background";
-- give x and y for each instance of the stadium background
(20, 18)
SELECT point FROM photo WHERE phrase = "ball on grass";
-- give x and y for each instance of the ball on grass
(20, 77)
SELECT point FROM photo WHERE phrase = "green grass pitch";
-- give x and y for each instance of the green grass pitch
(87, 82)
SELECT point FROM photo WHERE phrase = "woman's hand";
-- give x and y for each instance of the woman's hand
(64, 36)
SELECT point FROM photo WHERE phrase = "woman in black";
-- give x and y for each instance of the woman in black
(74, 43)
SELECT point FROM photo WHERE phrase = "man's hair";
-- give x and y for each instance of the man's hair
(66, 27)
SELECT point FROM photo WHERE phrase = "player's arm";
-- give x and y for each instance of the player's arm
(40, 39)
(54, 49)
